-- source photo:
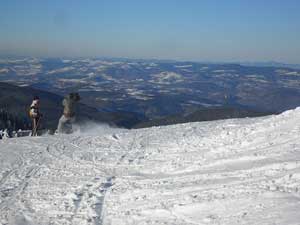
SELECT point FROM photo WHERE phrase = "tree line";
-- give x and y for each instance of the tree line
(13, 121)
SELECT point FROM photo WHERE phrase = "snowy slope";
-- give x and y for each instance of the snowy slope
(240, 171)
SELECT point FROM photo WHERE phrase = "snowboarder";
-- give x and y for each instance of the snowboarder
(68, 117)
(35, 115)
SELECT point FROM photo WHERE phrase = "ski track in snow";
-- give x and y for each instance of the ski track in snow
(239, 171)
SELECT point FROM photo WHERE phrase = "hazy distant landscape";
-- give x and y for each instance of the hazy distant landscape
(153, 89)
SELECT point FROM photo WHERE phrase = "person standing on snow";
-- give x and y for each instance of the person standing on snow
(35, 115)
(68, 117)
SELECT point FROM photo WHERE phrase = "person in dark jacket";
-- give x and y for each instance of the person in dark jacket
(68, 117)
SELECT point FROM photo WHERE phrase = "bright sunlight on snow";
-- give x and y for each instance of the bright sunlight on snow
(239, 171)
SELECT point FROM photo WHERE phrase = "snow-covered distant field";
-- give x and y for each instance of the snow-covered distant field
(240, 171)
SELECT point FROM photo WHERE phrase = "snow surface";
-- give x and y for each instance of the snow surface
(240, 171)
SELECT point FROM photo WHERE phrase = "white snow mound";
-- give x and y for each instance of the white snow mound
(238, 171)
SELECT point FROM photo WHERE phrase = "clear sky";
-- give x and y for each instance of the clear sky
(202, 30)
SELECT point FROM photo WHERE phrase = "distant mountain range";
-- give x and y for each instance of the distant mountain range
(271, 64)
(134, 91)
(16, 101)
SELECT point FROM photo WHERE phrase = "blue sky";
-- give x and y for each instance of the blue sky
(202, 30)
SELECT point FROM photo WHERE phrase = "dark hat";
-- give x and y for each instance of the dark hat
(75, 96)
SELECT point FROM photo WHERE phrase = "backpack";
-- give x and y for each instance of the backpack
(33, 112)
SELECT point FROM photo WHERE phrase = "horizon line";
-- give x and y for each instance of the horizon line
(153, 59)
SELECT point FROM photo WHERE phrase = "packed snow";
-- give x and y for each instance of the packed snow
(238, 171)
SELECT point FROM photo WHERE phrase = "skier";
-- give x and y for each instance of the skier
(68, 117)
(35, 115)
